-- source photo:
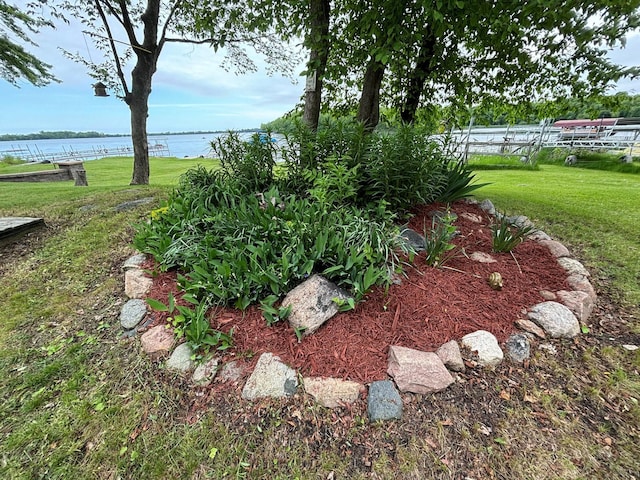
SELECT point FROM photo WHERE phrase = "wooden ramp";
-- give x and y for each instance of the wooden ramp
(13, 227)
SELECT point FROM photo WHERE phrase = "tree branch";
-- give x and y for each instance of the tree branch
(114, 50)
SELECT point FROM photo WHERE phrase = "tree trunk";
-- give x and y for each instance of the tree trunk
(369, 108)
(138, 105)
(417, 79)
(318, 41)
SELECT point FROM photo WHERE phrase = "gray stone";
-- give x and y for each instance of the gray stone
(518, 348)
(520, 221)
(135, 261)
(487, 206)
(556, 319)
(332, 392)
(136, 283)
(482, 257)
(580, 283)
(630, 347)
(580, 303)
(383, 402)
(417, 372)
(450, 355)
(539, 235)
(573, 267)
(270, 378)
(180, 360)
(231, 372)
(132, 313)
(413, 239)
(557, 249)
(157, 341)
(485, 345)
(133, 204)
(530, 327)
(313, 303)
(205, 372)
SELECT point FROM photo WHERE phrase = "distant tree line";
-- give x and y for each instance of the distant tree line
(53, 135)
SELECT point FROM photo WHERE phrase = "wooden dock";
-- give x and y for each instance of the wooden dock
(13, 227)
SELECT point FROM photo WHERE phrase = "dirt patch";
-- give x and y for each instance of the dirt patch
(429, 307)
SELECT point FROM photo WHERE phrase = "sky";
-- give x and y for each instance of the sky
(191, 92)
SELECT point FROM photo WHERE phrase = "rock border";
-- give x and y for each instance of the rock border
(414, 371)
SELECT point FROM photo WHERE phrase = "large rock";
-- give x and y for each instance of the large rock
(136, 283)
(313, 303)
(332, 392)
(557, 249)
(416, 371)
(485, 345)
(531, 327)
(580, 283)
(573, 267)
(482, 257)
(383, 402)
(180, 360)
(270, 378)
(132, 313)
(580, 303)
(205, 372)
(555, 319)
(157, 341)
(413, 239)
(487, 206)
(450, 355)
(135, 261)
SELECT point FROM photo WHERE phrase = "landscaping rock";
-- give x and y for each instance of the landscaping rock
(133, 204)
(132, 313)
(556, 319)
(547, 295)
(573, 267)
(205, 372)
(450, 355)
(135, 261)
(413, 239)
(482, 257)
(518, 348)
(557, 249)
(383, 401)
(417, 372)
(136, 283)
(520, 221)
(312, 303)
(231, 372)
(180, 359)
(157, 341)
(332, 392)
(580, 283)
(539, 235)
(487, 206)
(485, 345)
(270, 378)
(529, 326)
(580, 303)
(472, 217)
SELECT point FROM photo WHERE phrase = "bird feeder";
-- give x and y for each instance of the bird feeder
(100, 89)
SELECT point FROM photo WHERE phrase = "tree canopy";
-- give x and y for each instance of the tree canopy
(15, 61)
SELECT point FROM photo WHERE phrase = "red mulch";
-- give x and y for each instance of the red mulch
(430, 307)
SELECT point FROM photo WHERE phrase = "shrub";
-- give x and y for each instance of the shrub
(457, 178)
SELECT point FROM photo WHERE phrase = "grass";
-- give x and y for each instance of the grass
(81, 402)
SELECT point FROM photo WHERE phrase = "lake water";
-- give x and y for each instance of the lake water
(187, 145)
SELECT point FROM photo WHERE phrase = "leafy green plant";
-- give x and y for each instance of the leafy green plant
(192, 323)
(457, 182)
(506, 235)
(271, 313)
(438, 244)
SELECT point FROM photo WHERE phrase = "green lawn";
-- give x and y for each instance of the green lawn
(79, 401)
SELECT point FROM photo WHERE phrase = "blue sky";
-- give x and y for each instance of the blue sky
(190, 91)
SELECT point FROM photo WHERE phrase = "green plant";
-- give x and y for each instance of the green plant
(192, 323)
(506, 235)
(457, 178)
(271, 313)
(438, 243)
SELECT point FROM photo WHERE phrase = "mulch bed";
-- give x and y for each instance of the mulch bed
(428, 308)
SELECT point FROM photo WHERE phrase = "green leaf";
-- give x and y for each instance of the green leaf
(157, 305)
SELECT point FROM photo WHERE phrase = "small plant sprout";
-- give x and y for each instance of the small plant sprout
(438, 240)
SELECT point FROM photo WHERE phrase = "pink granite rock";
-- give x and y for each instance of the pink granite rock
(580, 303)
(416, 371)
(157, 341)
(332, 392)
(557, 249)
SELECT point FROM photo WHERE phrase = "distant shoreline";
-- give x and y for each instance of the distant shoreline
(63, 135)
